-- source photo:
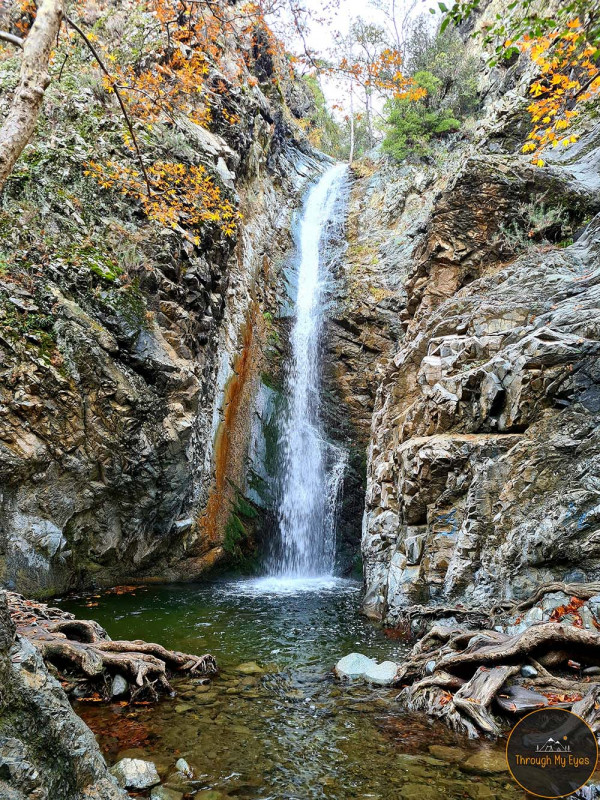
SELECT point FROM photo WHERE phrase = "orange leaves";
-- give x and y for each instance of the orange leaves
(561, 697)
(178, 77)
(385, 74)
(181, 194)
(571, 608)
(569, 74)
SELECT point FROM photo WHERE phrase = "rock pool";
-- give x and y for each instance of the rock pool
(275, 723)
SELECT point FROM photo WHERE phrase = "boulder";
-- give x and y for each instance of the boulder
(357, 666)
(119, 686)
(181, 765)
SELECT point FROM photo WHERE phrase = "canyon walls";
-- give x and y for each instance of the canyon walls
(131, 353)
(484, 452)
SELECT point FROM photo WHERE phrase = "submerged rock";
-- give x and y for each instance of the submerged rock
(164, 793)
(250, 668)
(134, 773)
(357, 666)
(445, 753)
(486, 762)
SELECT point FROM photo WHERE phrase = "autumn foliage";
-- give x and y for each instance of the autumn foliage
(569, 74)
(175, 67)
(177, 81)
(564, 45)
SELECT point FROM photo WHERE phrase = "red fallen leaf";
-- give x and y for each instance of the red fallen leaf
(124, 589)
(396, 633)
(574, 664)
(554, 698)
(445, 698)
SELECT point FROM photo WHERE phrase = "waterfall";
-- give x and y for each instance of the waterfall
(313, 469)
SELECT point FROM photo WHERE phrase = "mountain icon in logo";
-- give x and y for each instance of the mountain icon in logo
(553, 746)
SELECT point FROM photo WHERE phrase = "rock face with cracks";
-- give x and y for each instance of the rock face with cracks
(484, 442)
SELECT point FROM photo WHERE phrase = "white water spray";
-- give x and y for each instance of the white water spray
(313, 469)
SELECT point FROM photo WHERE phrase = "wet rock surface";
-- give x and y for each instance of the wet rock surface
(130, 364)
(135, 773)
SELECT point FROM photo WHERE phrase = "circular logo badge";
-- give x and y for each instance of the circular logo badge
(551, 752)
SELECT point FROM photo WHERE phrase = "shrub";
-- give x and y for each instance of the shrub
(412, 125)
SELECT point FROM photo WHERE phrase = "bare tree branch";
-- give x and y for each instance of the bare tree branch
(102, 66)
(9, 37)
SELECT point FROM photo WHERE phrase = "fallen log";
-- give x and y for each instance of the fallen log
(83, 649)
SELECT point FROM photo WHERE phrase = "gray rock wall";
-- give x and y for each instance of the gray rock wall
(129, 366)
(483, 453)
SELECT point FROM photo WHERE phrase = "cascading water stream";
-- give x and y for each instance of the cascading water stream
(313, 468)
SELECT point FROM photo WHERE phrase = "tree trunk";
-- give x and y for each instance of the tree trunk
(368, 102)
(20, 122)
(351, 156)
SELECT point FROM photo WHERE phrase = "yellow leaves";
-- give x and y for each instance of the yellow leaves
(540, 162)
(181, 194)
(568, 75)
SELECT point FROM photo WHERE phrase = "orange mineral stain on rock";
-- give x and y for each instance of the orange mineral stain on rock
(231, 436)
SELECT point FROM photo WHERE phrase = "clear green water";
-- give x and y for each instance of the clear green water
(290, 731)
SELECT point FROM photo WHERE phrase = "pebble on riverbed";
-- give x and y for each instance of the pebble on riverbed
(164, 793)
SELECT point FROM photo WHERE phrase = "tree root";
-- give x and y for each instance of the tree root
(465, 677)
(82, 649)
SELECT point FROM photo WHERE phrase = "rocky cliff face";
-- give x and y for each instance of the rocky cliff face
(130, 353)
(46, 751)
(483, 445)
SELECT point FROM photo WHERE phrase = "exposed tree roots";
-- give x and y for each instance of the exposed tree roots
(472, 679)
(82, 652)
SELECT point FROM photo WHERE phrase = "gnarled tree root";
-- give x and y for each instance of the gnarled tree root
(468, 677)
(82, 649)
